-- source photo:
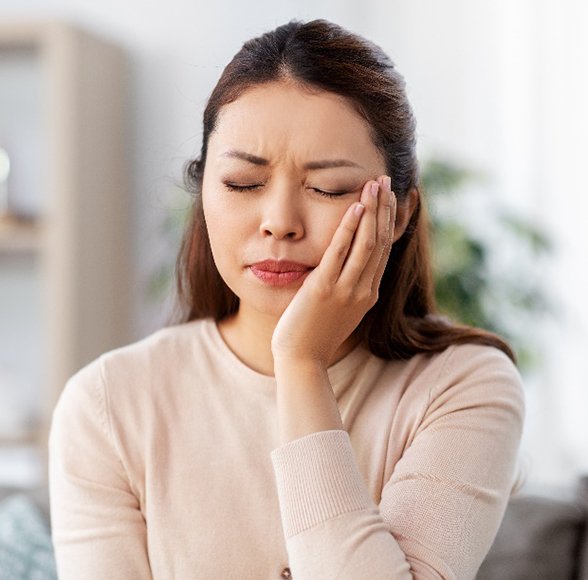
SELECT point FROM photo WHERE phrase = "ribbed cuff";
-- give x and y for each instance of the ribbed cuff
(317, 479)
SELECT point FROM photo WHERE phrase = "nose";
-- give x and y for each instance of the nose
(281, 215)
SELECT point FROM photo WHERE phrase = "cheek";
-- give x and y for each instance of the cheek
(325, 225)
(229, 230)
(217, 211)
(218, 225)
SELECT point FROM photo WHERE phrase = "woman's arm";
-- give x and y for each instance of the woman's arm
(441, 508)
(97, 527)
(326, 310)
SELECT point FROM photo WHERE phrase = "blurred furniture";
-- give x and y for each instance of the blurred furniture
(64, 232)
(541, 538)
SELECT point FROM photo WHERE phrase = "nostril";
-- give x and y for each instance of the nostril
(276, 233)
(282, 227)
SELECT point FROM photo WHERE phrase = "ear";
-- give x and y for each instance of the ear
(404, 211)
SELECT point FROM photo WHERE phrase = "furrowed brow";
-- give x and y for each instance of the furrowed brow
(311, 165)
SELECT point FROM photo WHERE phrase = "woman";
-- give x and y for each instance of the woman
(308, 416)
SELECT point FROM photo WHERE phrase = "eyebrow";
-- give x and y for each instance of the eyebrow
(322, 164)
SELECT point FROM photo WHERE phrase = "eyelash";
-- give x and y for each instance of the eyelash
(241, 188)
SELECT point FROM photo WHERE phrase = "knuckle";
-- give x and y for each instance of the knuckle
(322, 291)
(363, 296)
(346, 295)
(341, 252)
(369, 244)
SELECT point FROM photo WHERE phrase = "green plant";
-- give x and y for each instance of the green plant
(176, 210)
(487, 270)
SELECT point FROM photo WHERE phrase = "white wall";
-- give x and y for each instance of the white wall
(500, 85)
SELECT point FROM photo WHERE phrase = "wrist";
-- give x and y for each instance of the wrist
(287, 363)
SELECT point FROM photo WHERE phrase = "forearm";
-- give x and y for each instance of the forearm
(333, 529)
(305, 400)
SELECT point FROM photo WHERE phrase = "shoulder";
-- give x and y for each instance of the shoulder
(456, 365)
(479, 364)
(163, 348)
(475, 379)
(136, 366)
(163, 342)
(464, 381)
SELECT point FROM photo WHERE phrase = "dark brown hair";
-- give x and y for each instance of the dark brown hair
(320, 55)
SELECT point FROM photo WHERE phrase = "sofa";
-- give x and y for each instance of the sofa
(541, 537)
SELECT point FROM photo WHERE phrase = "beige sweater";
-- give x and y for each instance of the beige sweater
(164, 464)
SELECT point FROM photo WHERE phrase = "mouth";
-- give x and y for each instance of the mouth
(279, 272)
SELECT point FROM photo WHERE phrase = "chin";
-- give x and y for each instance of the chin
(269, 302)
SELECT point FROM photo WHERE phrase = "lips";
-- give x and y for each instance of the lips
(279, 272)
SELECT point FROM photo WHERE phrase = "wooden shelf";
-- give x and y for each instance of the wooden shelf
(30, 438)
(18, 235)
(75, 303)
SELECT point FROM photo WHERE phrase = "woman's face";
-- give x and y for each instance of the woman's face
(288, 149)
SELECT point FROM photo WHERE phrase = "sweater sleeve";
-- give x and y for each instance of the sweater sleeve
(443, 503)
(98, 530)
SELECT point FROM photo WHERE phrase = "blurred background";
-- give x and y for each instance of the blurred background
(97, 118)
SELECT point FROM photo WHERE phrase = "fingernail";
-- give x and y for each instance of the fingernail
(388, 182)
(374, 189)
(359, 209)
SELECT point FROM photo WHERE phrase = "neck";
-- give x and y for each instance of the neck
(249, 336)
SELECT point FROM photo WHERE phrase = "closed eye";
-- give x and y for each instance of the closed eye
(329, 193)
(236, 187)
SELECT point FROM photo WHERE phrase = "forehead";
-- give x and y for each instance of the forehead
(285, 121)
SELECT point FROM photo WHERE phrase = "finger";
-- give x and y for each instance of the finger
(382, 232)
(386, 219)
(365, 241)
(334, 257)
(377, 277)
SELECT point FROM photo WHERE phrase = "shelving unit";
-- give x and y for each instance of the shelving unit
(64, 287)
(20, 236)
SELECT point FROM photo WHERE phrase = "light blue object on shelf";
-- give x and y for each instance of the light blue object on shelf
(26, 552)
